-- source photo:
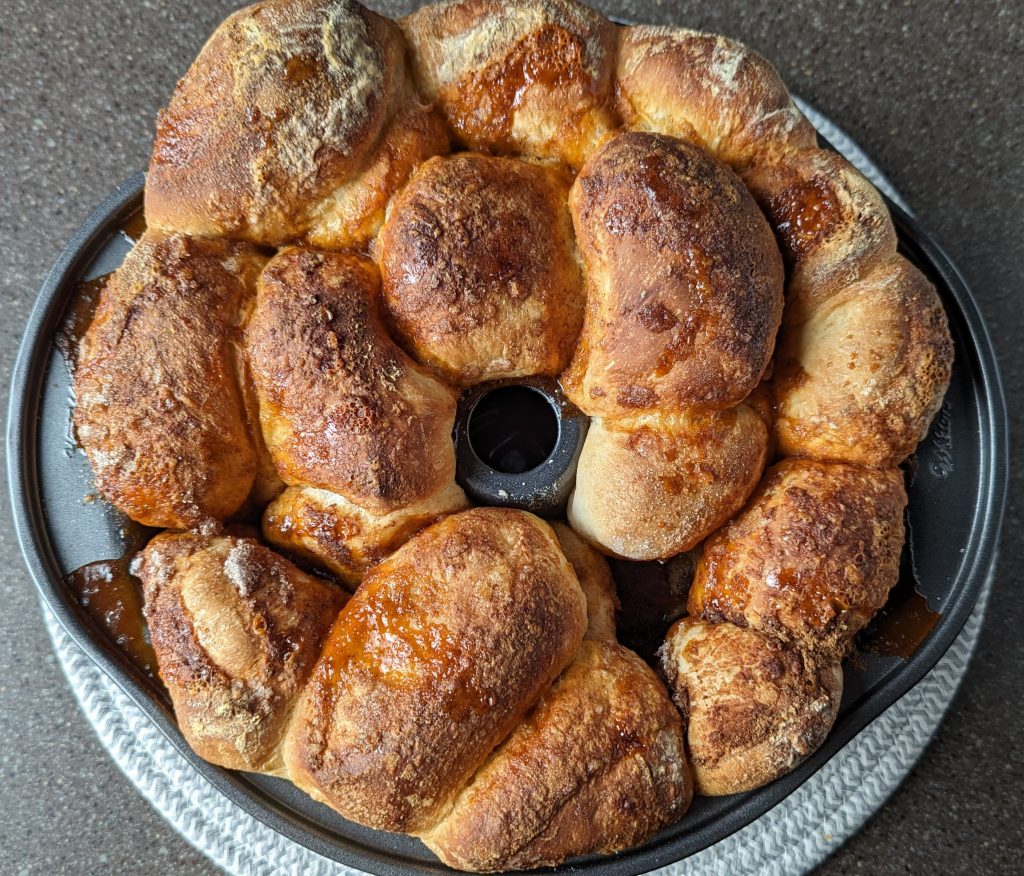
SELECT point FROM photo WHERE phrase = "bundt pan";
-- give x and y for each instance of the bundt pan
(956, 483)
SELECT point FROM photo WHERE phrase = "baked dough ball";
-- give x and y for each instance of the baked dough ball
(352, 216)
(438, 656)
(684, 280)
(343, 408)
(753, 708)
(710, 91)
(810, 559)
(533, 77)
(861, 378)
(282, 128)
(832, 224)
(237, 630)
(478, 262)
(328, 531)
(159, 410)
(598, 766)
(652, 486)
(595, 580)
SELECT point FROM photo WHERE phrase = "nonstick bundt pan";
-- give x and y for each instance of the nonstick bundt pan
(957, 486)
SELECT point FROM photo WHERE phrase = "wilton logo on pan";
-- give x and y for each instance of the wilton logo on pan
(941, 465)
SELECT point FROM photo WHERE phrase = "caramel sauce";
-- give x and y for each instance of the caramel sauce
(900, 627)
(107, 591)
(316, 524)
(551, 59)
(134, 227)
(906, 619)
(299, 69)
(112, 596)
(384, 634)
(815, 601)
(803, 214)
(672, 485)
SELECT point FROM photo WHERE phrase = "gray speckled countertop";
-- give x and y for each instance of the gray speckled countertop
(932, 91)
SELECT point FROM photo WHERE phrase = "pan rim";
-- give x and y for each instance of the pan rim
(31, 532)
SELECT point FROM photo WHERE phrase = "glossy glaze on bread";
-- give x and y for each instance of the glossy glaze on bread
(532, 78)
(238, 630)
(351, 221)
(164, 423)
(684, 280)
(478, 260)
(282, 128)
(593, 768)
(342, 407)
(811, 558)
(436, 658)
(433, 690)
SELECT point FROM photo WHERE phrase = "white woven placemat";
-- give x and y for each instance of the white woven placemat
(793, 837)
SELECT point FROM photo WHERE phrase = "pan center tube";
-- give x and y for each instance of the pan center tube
(517, 444)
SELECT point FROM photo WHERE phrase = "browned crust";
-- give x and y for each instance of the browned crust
(598, 766)
(353, 214)
(237, 630)
(754, 708)
(299, 122)
(284, 105)
(653, 486)
(159, 411)
(267, 483)
(443, 649)
(832, 225)
(595, 580)
(861, 378)
(330, 532)
(343, 408)
(478, 262)
(810, 559)
(684, 280)
(533, 77)
(710, 91)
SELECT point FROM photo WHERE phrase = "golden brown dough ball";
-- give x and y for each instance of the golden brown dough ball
(753, 708)
(810, 559)
(480, 279)
(861, 378)
(684, 280)
(710, 91)
(652, 486)
(832, 224)
(598, 766)
(533, 77)
(237, 630)
(159, 409)
(342, 407)
(352, 216)
(438, 656)
(282, 128)
(596, 581)
(327, 530)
